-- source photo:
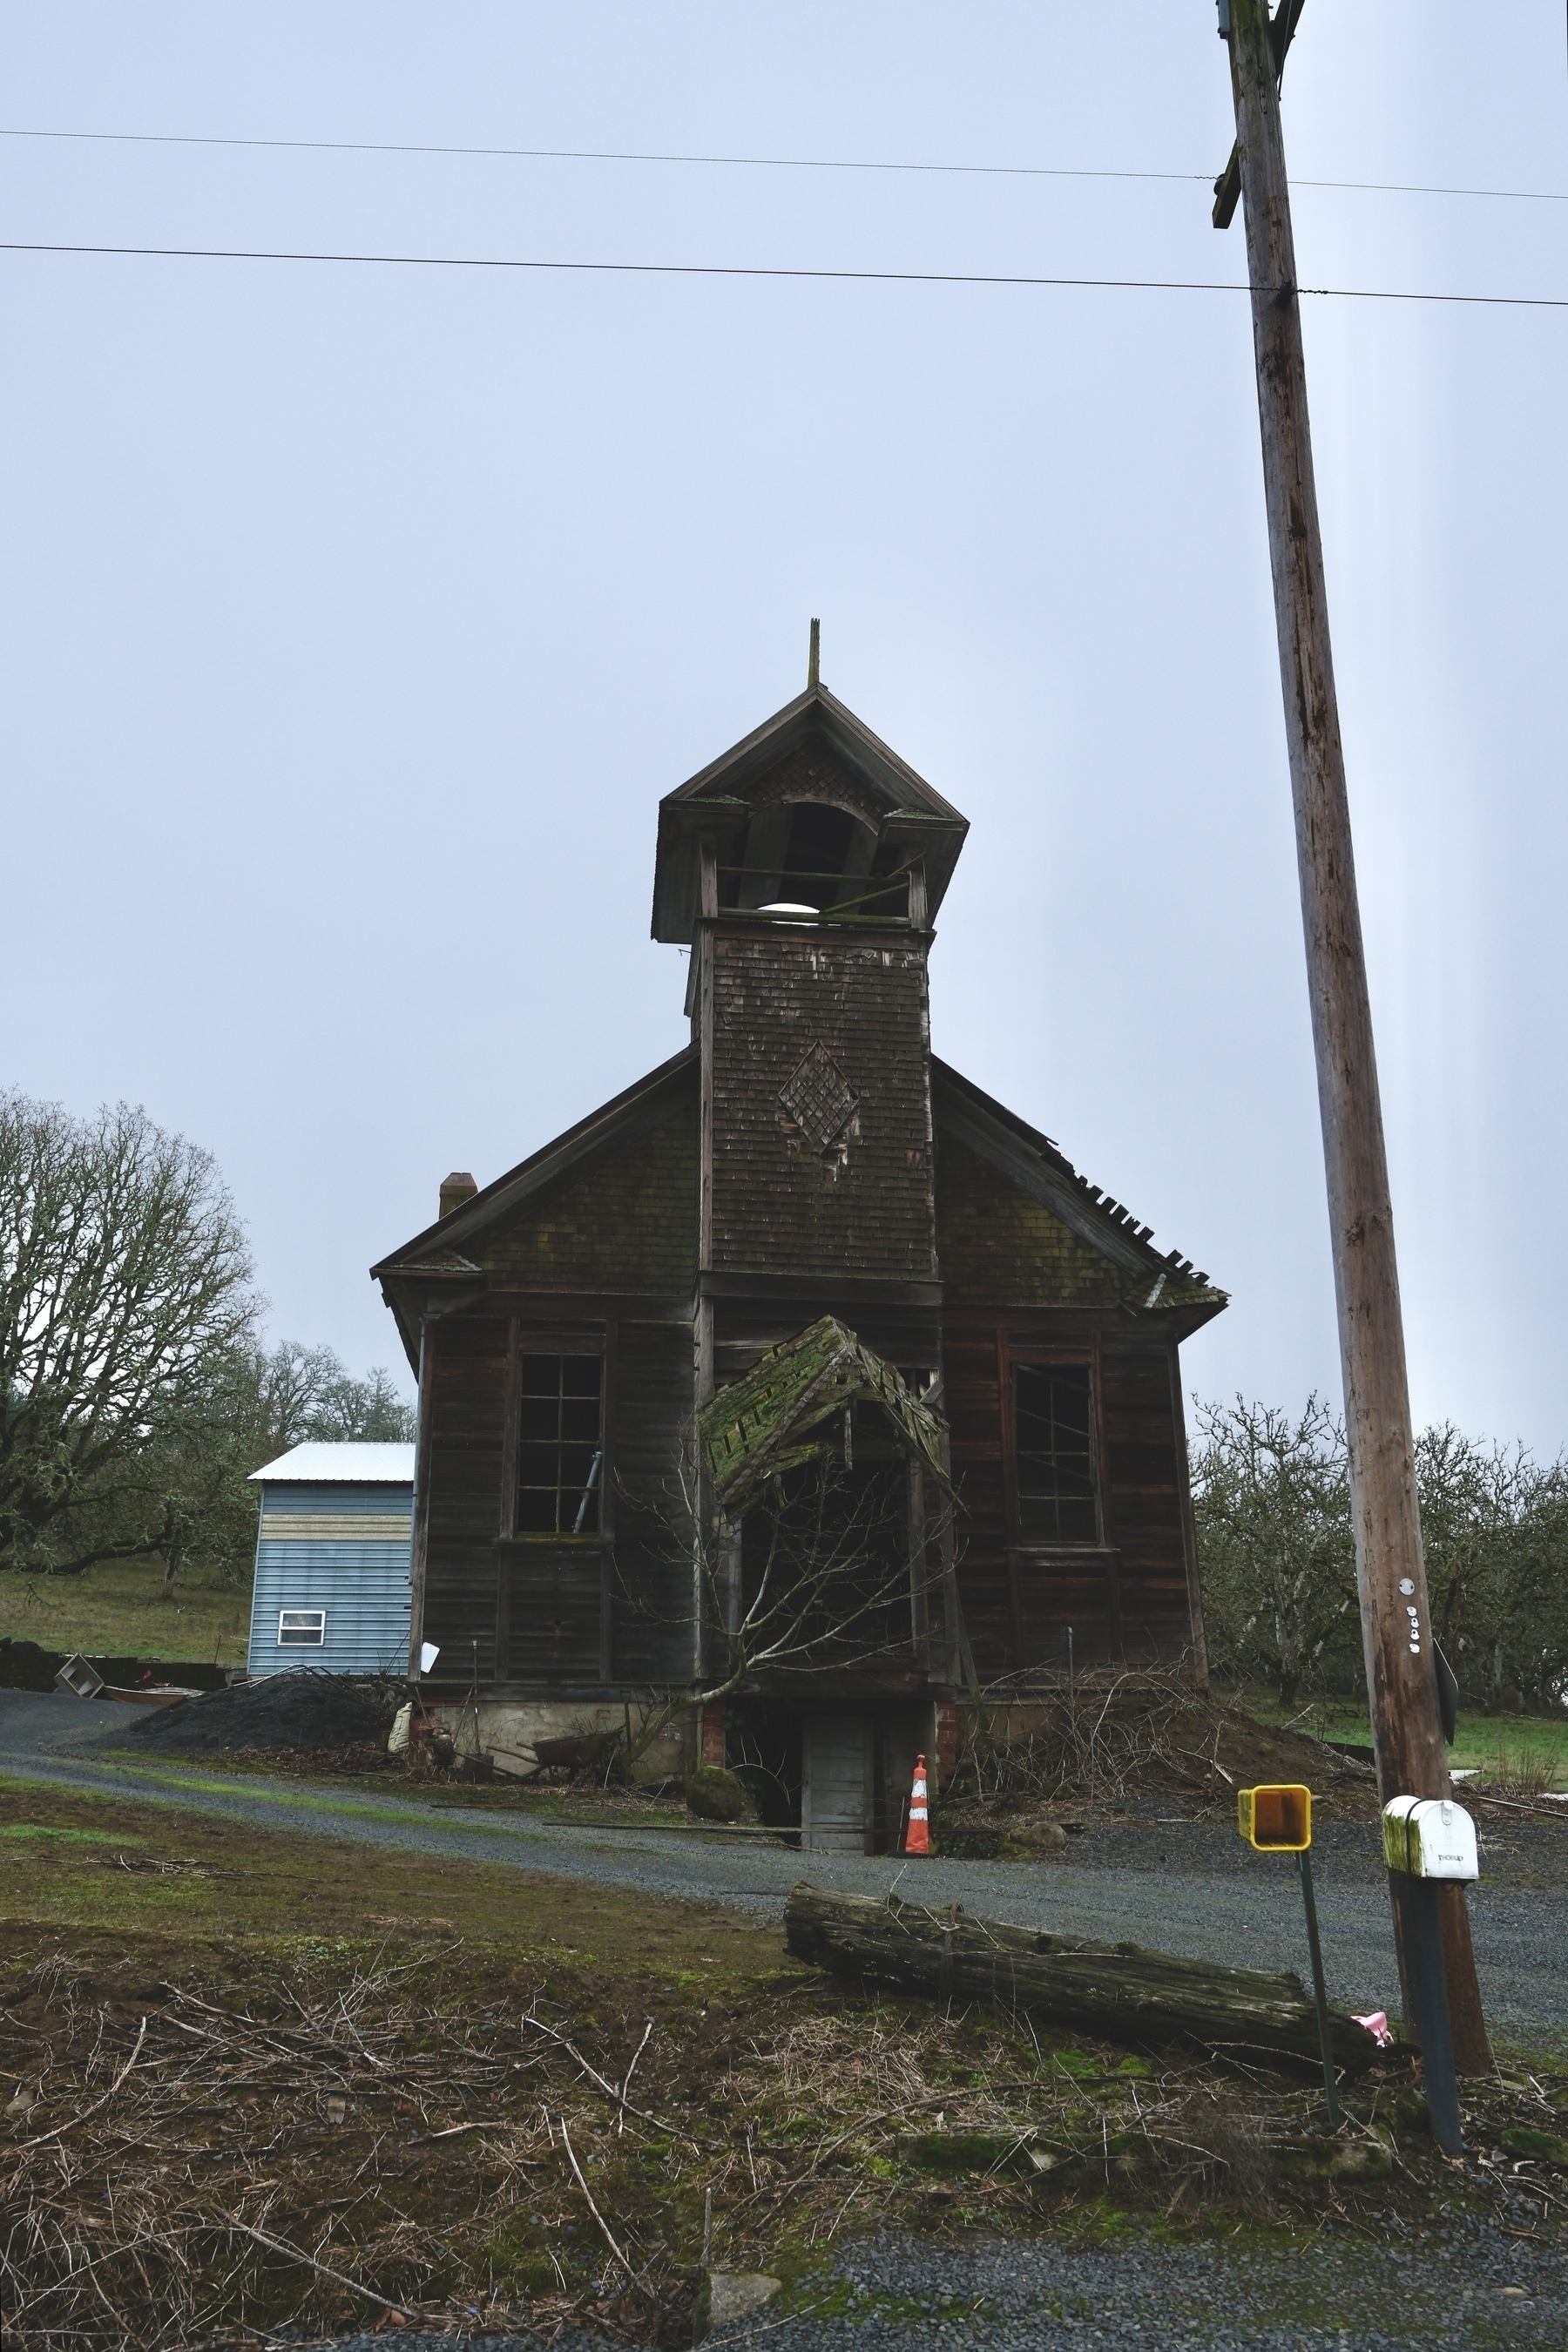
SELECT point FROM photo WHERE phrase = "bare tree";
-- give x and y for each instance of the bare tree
(1494, 1528)
(124, 1278)
(831, 1568)
(1271, 1497)
(191, 1480)
(308, 1393)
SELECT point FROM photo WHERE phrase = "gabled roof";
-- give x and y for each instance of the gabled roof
(435, 1261)
(1039, 1167)
(438, 1259)
(717, 799)
(438, 1250)
(759, 1425)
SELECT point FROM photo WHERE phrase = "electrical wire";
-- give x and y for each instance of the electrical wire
(752, 163)
(762, 271)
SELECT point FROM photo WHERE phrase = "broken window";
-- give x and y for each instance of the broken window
(559, 1453)
(1054, 1453)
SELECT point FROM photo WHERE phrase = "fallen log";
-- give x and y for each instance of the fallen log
(1118, 1991)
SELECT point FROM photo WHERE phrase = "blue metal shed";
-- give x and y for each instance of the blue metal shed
(332, 1560)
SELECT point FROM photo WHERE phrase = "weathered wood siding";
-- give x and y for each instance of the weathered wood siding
(995, 1244)
(653, 1560)
(1145, 1497)
(1019, 1285)
(627, 1224)
(465, 1363)
(575, 1612)
(780, 1203)
(1125, 1596)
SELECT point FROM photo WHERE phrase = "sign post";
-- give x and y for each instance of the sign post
(1280, 1821)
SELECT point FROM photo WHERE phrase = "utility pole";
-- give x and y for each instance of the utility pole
(1433, 1938)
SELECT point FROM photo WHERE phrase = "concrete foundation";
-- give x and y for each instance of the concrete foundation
(509, 1728)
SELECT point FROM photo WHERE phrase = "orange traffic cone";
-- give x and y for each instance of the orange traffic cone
(917, 1838)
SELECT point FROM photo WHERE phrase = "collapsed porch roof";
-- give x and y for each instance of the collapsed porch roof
(759, 1426)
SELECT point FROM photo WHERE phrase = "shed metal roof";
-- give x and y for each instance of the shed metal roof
(357, 1464)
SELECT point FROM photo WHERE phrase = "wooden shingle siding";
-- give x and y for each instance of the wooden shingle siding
(779, 1203)
(628, 1224)
(995, 1244)
(814, 772)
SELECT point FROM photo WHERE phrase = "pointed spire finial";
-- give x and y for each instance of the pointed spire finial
(813, 663)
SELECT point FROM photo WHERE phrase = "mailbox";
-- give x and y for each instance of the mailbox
(1429, 1837)
(1275, 1819)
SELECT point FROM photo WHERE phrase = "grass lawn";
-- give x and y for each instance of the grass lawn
(234, 2056)
(1506, 1747)
(117, 1610)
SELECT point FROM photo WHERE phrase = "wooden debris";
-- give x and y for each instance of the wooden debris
(1120, 1992)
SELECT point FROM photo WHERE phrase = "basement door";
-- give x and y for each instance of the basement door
(837, 1795)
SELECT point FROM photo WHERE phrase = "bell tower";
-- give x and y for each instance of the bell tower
(803, 869)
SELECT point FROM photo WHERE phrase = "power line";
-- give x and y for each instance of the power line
(767, 270)
(752, 162)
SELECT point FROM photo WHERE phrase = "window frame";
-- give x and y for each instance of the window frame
(296, 1635)
(563, 1349)
(1029, 1361)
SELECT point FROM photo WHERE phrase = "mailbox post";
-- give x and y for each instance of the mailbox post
(1427, 1842)
(1278, 1820)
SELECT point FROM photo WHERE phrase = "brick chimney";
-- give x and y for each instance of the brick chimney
(456, 1189)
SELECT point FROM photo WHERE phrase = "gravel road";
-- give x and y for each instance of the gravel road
(1159, 1878)
(1466, 2288)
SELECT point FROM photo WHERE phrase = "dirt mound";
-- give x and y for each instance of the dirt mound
(304, 1709)
(1143, 1734)
(1252, 1751)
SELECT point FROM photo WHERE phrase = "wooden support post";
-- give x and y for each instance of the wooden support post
(1397, 1624)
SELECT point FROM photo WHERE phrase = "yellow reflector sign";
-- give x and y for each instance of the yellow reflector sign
(1275, 1819)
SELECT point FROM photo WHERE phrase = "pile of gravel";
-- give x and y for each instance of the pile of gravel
(306, 1709)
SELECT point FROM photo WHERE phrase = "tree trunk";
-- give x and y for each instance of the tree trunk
(1119, 1991)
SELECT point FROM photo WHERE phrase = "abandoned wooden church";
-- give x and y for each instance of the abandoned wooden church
(803, 1390)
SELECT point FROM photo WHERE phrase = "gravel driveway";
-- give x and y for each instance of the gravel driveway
(1463, 2288)
(1159, 1878)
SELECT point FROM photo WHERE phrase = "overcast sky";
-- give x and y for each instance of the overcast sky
(355, 619)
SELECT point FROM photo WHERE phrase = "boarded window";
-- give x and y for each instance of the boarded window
(560, 1453)
(301, 1629)
(1054, 1449)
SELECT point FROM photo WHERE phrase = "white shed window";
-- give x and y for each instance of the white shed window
(301, 1629)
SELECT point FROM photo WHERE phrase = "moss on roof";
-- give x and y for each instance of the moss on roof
(757, 1427)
